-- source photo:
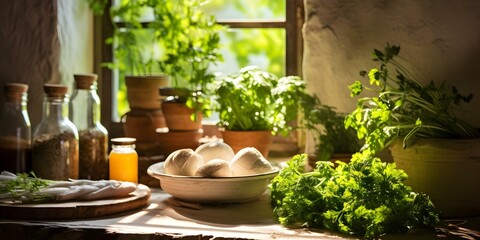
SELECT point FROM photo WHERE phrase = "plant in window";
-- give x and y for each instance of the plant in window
(256, 100)
(172, 38)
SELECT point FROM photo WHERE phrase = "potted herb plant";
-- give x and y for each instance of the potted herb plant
(168, 38)
(181, 41)
(332, 141)
(254, 104)
(437, 150)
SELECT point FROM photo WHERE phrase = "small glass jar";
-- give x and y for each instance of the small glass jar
(15, 130)
(123, 160)
(84, 112)
(55, 139)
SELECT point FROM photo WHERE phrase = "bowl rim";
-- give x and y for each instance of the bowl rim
(159, 175)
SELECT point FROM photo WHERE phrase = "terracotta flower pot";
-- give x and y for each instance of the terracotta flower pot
(170, 141)
(141, 124)
(178, 117)
(261, 140)
(447, 170)
(142, 91)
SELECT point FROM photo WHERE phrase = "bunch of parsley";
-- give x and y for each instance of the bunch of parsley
(366, 197)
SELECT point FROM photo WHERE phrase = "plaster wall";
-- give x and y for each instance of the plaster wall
(439, 40)
(44, 41)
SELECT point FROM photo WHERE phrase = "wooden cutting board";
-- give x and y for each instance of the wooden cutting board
(74, 210)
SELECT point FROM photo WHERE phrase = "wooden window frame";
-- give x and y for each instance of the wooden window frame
(103, 29)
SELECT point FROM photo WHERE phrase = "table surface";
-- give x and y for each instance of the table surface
(166, 216)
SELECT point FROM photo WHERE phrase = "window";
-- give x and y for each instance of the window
(262, 32)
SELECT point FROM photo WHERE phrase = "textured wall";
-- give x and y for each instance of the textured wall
(44, 41)
(29, 48)
(440, 40)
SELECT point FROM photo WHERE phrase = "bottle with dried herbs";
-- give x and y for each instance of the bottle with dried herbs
(93, 137)
(55, 139)
(15, 132)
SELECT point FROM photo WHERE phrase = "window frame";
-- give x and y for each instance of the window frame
(103, 29)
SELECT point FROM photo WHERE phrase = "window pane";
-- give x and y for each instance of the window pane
(263, 47)
(246, 9)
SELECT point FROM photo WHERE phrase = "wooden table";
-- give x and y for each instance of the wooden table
(167, 218)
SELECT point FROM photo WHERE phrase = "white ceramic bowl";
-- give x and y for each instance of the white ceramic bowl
(212, 190)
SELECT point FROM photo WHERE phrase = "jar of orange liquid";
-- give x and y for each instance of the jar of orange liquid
(123, 160)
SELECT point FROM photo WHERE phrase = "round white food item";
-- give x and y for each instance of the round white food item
(184, 162)
(215, 150)
(249, 161)
(214, 168)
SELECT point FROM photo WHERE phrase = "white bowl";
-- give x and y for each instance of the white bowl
(212, 190)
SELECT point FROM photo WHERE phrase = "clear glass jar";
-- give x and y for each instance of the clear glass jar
(123, 160)
(55, 139)
(84, 112)
(15, 130)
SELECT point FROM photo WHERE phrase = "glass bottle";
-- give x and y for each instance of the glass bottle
(55, 139)
(15, 130)
(124, 160)
(84, 112)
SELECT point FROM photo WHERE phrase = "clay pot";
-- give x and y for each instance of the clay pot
(261, 140)
(141, 124)
(177, 115)
(142, 91)
(446, 170)
(170, 141)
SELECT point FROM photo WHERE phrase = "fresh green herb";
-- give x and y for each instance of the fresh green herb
(403, 107)
(366, 197)
(23, 188)
(257, 100)
(180, 41)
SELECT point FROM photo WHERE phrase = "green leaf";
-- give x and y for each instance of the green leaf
(374, 77)
(356, 88)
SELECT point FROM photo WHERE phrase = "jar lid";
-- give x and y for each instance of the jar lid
(85, 81)
(55, 90)
(123, 141)
(14, 91)
(15, 87)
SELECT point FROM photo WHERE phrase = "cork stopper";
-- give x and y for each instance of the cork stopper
(85, 81)
(55, 90)
(14, 91)
(123, 141)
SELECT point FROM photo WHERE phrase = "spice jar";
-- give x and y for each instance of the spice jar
(55, 139)
(84, 112)
(15, 133)
(124, 160)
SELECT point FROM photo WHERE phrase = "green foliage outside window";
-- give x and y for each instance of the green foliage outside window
(246, 45)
